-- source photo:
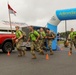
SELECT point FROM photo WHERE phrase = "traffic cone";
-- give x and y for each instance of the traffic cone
(69, 53)
(47, 56)
(8, 53)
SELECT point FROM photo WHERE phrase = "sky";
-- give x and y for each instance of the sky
(36, 12)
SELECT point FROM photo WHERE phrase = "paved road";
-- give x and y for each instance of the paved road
(58, 64)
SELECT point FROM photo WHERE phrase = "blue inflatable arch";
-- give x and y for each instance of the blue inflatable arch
(60, 15)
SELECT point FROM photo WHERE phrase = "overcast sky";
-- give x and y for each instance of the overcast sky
(37, 12)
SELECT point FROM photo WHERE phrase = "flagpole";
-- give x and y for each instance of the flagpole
(10, 20)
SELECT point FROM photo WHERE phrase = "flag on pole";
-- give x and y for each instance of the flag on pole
(11, 11)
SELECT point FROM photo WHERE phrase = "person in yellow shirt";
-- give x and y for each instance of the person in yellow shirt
(19, 41)
(72, 37)
(34, 38)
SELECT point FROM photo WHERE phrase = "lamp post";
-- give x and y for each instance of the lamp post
(66, 35)
(66, 30)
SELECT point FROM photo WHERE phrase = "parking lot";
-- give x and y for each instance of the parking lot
(58, 64)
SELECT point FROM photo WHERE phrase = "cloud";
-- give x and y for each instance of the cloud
(35, 12)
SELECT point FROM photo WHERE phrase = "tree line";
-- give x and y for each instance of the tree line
(64, 34)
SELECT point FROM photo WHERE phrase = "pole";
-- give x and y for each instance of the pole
(10, 20)
(66, 29)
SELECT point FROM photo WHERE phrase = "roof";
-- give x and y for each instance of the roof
(5, 25)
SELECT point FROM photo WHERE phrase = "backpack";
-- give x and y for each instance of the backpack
(24, 35)
(34, 33)
(53, 35)
(74, 35)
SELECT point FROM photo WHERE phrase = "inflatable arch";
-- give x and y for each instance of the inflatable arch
(60, 15)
